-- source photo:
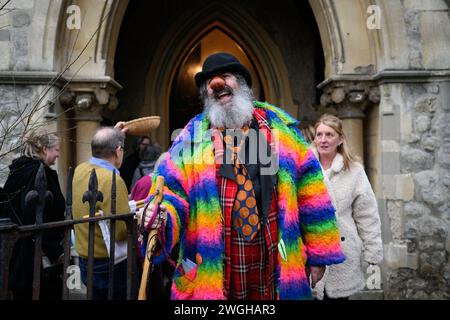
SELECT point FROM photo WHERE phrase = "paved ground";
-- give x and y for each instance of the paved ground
(368, 295)
(78, 294)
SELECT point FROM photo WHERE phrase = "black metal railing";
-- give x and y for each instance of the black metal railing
(10, 233)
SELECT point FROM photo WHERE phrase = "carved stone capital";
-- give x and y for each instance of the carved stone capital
(86, 110)
(86, 94)
(349, 98)
(88, 106)
(83, 102)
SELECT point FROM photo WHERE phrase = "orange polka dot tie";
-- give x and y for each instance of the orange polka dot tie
(245, 212)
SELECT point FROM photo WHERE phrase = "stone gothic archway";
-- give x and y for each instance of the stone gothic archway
(92, 76)
(187, 31)
(93, 73)
(86, 58)
(184, 100)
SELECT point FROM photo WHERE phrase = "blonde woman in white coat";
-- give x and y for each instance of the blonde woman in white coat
(356, 211)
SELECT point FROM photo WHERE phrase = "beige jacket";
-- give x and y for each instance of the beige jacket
(359, 227)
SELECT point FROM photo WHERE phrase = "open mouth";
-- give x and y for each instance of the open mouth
(226, 92)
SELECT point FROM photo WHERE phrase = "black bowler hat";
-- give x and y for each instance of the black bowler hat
(219, 63)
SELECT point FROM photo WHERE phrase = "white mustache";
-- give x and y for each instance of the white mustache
(237, 113)
(226, 90)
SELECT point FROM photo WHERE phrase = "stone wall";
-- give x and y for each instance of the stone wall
(24, 31)
(17, 102)
(416, 187)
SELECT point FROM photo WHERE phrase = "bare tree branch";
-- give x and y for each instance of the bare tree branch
(19, 121)
(28, 117)
(67, 67)
(4, 5)
(7, 11)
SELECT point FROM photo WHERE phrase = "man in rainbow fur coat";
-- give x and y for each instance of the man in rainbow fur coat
(193, 207)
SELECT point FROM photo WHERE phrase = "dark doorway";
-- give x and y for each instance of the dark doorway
(184, 99)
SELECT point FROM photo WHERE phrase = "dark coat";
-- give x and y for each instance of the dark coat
(128, 167)
(20, 181)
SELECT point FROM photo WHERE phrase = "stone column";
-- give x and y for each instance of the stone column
(88, 119)
(87, 102)
(348, 101)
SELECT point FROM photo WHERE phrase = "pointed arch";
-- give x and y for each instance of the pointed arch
(184, 101)
(95, 43)
(349, 46)
(187, 31)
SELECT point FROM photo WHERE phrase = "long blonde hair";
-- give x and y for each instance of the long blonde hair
(336, 124)
(36, 140)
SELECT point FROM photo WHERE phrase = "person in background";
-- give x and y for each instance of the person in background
(131, 162)
(148, 156)
(40, 147)
(161, 276)
(107, 155)
(142, 186)
(356, 211)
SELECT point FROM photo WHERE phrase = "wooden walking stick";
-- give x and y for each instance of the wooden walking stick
(151, 242)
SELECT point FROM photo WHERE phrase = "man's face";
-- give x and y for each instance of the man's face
(228, 101)
(144, 143)
(119, 157)
(221, 88)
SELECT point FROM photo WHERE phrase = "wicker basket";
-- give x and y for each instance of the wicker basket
(142, 126)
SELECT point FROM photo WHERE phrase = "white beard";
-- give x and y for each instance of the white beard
(232, 115)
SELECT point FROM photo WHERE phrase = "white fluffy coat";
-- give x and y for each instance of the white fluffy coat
(359, 227)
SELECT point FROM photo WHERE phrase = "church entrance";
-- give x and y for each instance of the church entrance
(184, 97)
(162, 45)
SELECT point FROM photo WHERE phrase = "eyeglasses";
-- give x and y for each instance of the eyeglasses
(123, 150)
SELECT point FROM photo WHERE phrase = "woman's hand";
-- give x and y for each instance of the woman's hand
(316, 273)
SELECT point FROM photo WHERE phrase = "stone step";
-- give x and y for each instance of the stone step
(368, 295)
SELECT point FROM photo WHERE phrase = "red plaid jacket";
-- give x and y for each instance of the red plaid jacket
(250, 267)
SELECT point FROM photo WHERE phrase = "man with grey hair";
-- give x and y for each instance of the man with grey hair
(107, 156)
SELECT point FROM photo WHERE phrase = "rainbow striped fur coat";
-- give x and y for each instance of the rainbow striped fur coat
(306, 219)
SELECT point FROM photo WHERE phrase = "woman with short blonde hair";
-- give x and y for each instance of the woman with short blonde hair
(40, 150)
(38, 143)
